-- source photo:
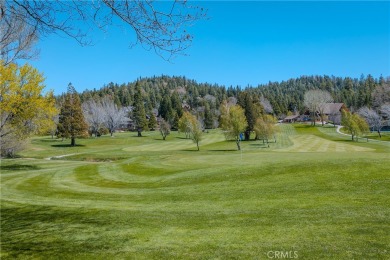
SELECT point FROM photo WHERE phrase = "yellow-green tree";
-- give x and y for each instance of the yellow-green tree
(354, 124)
(265, 127)
(193, 129)
(185, 124)
(233, 122)
(24, 108)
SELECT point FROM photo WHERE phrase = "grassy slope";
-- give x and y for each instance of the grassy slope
(145, 198)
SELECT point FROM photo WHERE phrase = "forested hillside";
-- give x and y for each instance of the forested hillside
(284, 96)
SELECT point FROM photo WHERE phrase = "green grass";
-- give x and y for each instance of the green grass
(385, 136)
(312, 191)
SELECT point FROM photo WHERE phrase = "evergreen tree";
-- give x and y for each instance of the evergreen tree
(176, 104)
(139, 111)
(175, 120)
(165, 109)
(252, 111)
(208, 117)
(152, 122)
(71, 123)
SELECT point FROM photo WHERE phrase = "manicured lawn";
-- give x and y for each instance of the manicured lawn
(385, 136)
(312, 191)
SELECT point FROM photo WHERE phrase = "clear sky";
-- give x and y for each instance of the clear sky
(242, 43)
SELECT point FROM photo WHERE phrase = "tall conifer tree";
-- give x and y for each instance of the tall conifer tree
(71, 122)
(139, 111)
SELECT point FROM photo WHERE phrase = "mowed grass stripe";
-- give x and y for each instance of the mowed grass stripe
(177, 143)
(185, 204)
(312, 143)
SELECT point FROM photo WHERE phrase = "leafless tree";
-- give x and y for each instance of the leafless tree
(266, 105)
(381, 95)
(113, 115)
(158, 26)
(94, 115)
(372, 118)
(385, 111)
(17, 37)
(231, 101)
(314, 100)
(165, 128)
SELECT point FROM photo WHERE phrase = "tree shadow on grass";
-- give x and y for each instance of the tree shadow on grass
(260, 145)
(18, 167)
(224, 150)
(49, 140)
(67, 145)
(160, 139)
(184, 138)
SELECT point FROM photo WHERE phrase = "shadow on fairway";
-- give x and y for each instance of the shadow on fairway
(54, 140)
(260, 145)
(18, 167)
(67, 145)
(224, 150)
(188, 150)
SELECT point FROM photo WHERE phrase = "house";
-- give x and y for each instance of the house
(332, 111)
(127, 124)
(291, 119)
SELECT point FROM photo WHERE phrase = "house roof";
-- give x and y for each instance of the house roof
(330, 108)
(291, 117)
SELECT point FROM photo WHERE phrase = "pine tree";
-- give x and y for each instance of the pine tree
(139, 111)
(71, 119)
(252, 110)
(152, 121)
(176, 104)
(208, 117)
(165, 109)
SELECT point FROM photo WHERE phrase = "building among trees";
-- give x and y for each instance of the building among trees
(332, 111)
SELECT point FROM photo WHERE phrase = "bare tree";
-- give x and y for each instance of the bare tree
(94, 115)
(113, 115)
(381, 95)
(266, 105)
(17, 37)
(314, 100)
(385, 111)
(158, 26)
(196, 131)
(165, 129)
(372, 118)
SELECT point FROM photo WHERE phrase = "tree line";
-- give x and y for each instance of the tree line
(286, 96)
(175, 103)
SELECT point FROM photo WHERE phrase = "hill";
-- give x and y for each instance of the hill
(284, 96)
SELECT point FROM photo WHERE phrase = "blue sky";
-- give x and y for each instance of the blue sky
(242, 43)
